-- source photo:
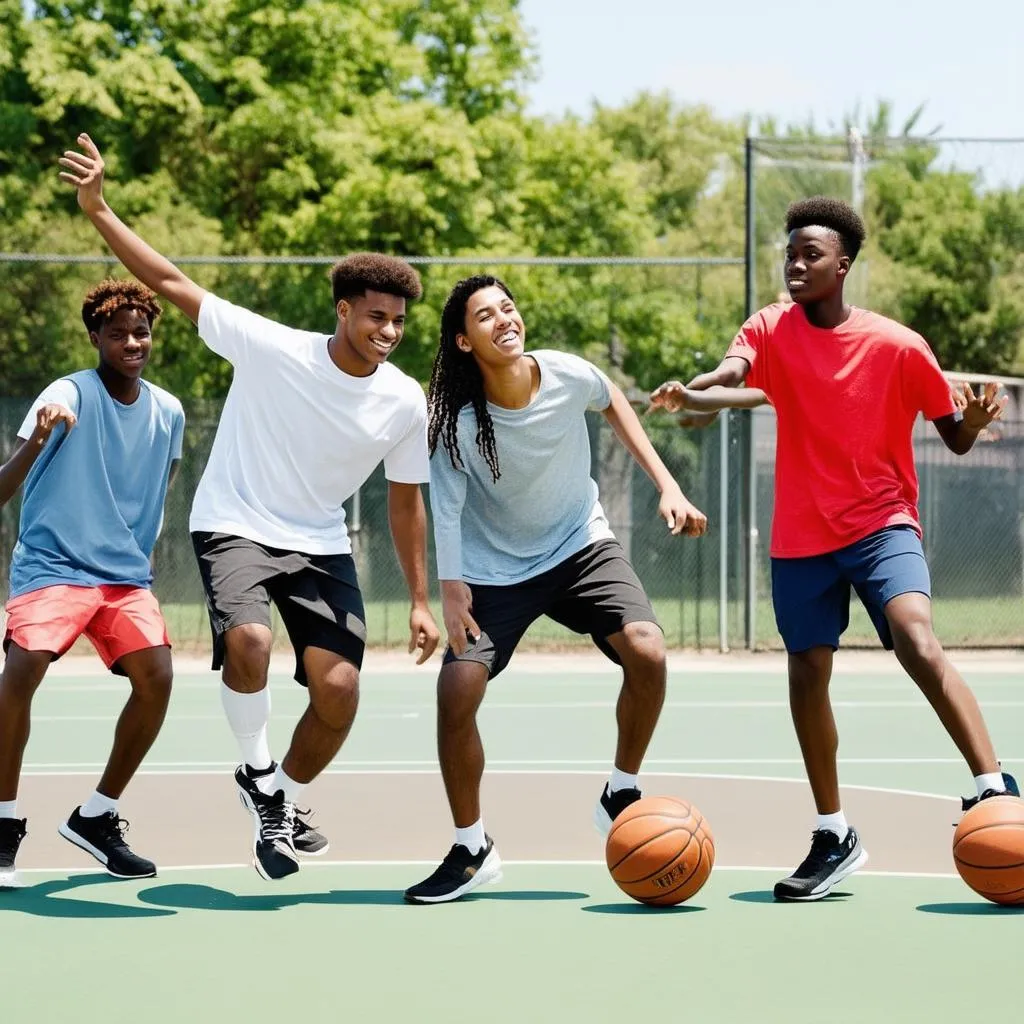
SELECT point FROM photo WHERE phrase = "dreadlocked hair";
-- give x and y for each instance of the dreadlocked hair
(456, 381)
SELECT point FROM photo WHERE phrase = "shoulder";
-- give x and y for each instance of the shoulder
(396, 384)
(163, 399)
(891, 331)
(566, 365)
(217, 315)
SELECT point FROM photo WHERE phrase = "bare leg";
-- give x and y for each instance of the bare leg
(922, 656)
(150, 673)
(460, 690)
(809, 675)
(333, 700)
(641, 649)
(23, 672)
(247, 657)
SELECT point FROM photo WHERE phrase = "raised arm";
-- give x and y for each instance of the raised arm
(677, 511)
(84, 170)
(16, 468)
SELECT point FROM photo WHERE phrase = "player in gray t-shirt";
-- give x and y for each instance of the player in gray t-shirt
(520, 533)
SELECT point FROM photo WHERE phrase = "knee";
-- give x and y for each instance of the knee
(915, 643)
(153, 685)
(247, 655)
(457, 703)
(810, 671)
(644, 655)
(334, 695)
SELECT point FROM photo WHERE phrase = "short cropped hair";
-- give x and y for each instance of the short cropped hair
(834, 214)
(112, 295)
(373, 271)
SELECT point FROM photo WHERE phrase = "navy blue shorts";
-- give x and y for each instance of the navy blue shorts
(812, 595)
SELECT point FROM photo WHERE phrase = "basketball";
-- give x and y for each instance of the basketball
(988, 849)
(660, 851)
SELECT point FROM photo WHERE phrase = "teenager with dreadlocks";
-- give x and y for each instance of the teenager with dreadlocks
(847, 386)
(520, 533)
(95, 454)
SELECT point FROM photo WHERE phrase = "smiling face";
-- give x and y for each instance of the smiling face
(371, 326)
(815, 264)
(494, 331)
(124, 342)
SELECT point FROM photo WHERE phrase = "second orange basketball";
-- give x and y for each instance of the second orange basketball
(660, 850)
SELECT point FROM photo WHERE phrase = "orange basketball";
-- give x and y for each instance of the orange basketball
(660, 850)
(988, 849)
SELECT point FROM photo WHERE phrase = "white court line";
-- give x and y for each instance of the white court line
(391, 715)
(561, 771)
(781, 704)
(507, 863)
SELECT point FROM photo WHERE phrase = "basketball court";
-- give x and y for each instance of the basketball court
(208, 939)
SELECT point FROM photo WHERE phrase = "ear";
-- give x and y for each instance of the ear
(462, 342)
(343, 308)
(95, 339)
(844, 266)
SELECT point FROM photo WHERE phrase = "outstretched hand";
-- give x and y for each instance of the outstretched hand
(982, 409)
(85, 172)
(49, 417)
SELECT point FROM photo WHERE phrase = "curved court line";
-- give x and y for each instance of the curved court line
(539, 771)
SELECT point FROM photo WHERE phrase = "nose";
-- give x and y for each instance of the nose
(389, 331)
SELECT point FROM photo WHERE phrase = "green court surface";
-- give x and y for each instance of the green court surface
(555, 940)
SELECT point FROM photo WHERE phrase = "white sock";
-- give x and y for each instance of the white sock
(97, 804)
(993, 780)
(8, 808)
(472, 838)
(621, 780)
(280, 780)
(834, 823)
(248, 715)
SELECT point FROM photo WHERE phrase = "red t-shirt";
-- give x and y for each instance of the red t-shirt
(846, 400)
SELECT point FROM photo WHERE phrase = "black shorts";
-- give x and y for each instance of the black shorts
(317, 595)
(595, 591)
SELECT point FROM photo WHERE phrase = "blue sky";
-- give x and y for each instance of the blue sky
(965, 61)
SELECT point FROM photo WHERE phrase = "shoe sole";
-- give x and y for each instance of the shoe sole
(73, 837)
(9, 879)
(846, 870)
(313, 853)
(489, 874)
(602, 820)
(254, 814)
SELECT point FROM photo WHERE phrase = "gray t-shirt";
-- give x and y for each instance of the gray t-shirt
(544, 508)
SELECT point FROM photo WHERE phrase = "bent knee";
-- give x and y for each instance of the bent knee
(247, 651)
(916, 641)
(643, 647)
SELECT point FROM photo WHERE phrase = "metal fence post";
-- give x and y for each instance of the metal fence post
(750, 420)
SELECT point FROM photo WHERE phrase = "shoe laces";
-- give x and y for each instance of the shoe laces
(300, 825)
(823, 842)
(113, 829)
(277, 821)
(11, 836)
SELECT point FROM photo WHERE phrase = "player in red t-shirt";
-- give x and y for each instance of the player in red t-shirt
(847, 386)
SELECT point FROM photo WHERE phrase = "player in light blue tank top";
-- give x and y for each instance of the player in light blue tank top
(95, 454)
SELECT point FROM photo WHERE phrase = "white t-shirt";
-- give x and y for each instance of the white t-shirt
(297, 436)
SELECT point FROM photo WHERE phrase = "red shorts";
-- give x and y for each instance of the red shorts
(118, 620)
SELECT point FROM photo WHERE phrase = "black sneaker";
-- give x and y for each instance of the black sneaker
(1011, 790)
(273, 837)
(829, 861)
(611, 805)
(307, 839)
(12, 831)
(103, 837)
(460, 872)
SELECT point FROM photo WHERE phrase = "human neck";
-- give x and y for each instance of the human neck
(828, 313)
(511, 386)
(345, 357)
(121, 388)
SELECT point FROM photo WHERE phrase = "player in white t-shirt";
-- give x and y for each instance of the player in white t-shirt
(307, 419)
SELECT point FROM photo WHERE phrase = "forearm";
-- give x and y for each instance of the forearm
(730, 373)
(16, 468)
(716, 398)
(153, 270)
(963, 439)
(407, 518)
(626, 424)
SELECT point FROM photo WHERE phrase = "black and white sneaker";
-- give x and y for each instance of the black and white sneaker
(103, 837)
(1011, 789)
(12, 831)
(307, 839)
(611, 805)
(273, 836)
(460, 872)
(829, 861)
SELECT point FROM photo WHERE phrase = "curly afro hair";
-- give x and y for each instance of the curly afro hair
(373, 271)
(834, 214)
(109, 296)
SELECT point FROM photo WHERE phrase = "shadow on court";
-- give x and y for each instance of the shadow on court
(47, 900)
(766, 896)
(634, 909)
(970, 909)
(207, 897)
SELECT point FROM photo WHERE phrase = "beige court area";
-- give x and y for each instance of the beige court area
(555, 940)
